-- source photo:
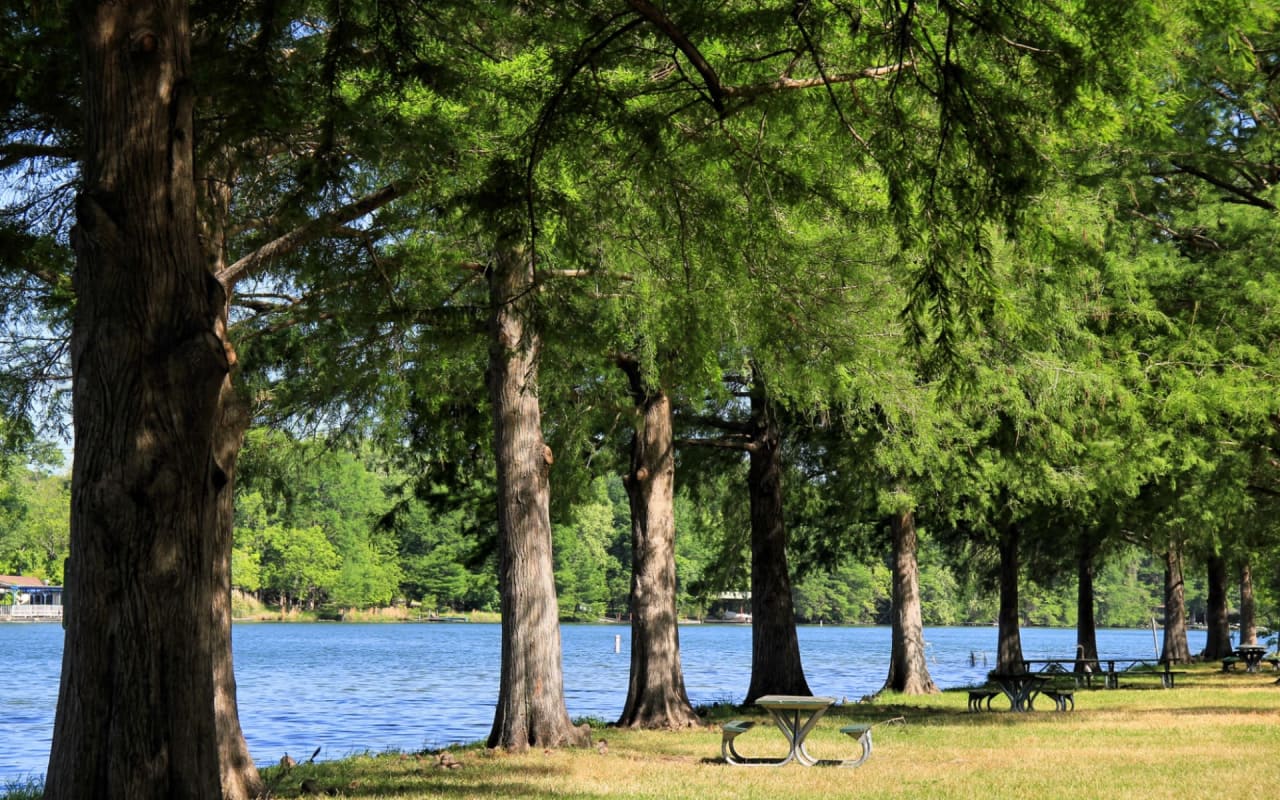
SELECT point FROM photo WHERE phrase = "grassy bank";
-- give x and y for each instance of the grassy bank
(247, 609)
(1215, 734)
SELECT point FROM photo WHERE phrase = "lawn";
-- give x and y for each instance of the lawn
(1216, 733)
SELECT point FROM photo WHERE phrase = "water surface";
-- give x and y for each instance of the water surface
(349, 688)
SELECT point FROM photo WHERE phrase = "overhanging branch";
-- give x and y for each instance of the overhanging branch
(719, 91)
(309, 231)
(1240, 192)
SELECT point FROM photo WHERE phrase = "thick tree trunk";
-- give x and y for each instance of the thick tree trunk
(136, 705)
(1175, 648)
(1086, 626)
(908, 668)
(1248, 607)
(1009, 650)
(656, 696)
(531, 709)
(1218, 640)
(775, 648)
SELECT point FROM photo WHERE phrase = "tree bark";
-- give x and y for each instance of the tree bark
(240, 779)
(775, 648)
(1218, 640)
(239, 775)
(531, 709)
(1248, 607)
(1175, 649)
(1086, 626)
(656, 695)
(136, 704)
(908, 667)
(1009, 650)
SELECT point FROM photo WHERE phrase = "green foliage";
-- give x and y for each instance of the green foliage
(35, 511)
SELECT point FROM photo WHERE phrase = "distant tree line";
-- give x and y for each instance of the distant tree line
(320, 527)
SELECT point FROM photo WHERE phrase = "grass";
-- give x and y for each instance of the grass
(1216, 733)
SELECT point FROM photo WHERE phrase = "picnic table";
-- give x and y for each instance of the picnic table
(1020, 687)
(795, 716)
(1251, 655)
(1132, 667)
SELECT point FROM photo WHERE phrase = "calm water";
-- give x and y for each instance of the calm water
(351, 688)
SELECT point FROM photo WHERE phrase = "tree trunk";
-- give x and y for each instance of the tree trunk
(1218, 640)
(1248, 607)
(1009, 651)
(908, 668)
(775, 648)
(531, 709)
(239, 775)
(1175, 648)
(656, 696)
(240, 778)
(1086, 627)
(136, 705)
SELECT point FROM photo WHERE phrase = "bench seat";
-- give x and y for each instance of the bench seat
(1166, 678)
(978, 696)
(1061, 698)
(863, 734)
(732, 730)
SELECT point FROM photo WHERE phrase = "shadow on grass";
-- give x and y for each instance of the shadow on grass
(386, 776)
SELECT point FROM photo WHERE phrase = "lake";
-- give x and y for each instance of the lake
(350, 688)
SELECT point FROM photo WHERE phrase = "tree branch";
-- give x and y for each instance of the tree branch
(12, 153)
(1239, 191)
(739, 428)
(790, 84)
(719, 92)
(309, 231)
(719, 444)
(663, 23)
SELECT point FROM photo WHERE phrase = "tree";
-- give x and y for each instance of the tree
(136, 705)
(1175, 649)
(1218, 631)
(530, 709)
(775, 649)
(656, 695)
(908, 669)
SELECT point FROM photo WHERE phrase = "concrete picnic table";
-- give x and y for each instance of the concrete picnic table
(795, 716)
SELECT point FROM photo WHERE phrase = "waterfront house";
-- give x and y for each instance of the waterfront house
(24, 599)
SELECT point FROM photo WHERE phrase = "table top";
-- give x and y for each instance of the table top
(1110, 662)
(1019, 676)
(796, 701)
(1250, 648)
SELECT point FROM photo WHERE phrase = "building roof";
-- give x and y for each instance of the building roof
(20, 580)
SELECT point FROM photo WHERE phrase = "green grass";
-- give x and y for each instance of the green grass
(1214, 734)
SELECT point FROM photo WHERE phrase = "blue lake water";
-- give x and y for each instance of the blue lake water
(349, 688)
